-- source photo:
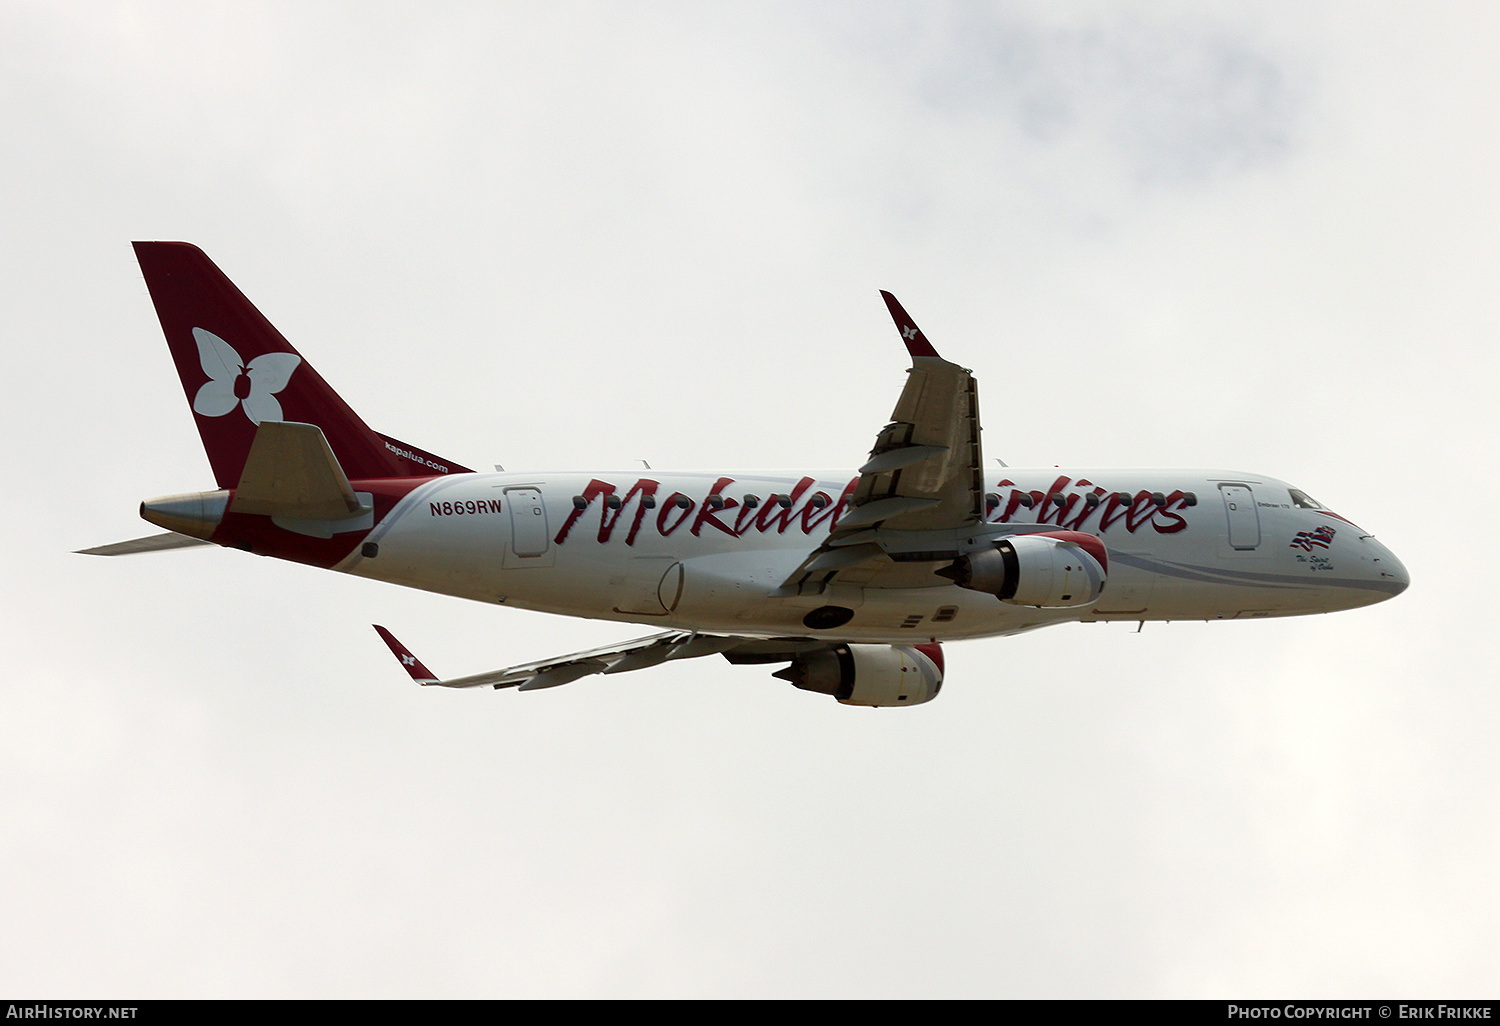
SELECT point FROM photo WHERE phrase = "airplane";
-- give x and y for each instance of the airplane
(853, 579)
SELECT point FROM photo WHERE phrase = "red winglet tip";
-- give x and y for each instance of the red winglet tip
(409, 662)
(916, 342)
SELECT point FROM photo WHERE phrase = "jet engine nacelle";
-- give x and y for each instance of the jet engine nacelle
(875, 675)
(1053, 568)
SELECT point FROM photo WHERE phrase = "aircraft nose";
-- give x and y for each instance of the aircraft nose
(1389, 570)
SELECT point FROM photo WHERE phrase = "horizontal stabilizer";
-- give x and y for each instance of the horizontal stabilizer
(291, 471)
(150, 543)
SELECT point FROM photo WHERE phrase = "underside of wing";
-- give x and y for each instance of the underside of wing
(631, 655)
(872, 675)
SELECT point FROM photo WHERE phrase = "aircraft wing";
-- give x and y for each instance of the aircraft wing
(922, 488)
(631, 655)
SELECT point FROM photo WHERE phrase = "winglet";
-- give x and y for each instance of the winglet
(412, 665)
(916, 342)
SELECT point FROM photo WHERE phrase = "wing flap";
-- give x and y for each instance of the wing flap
(890, 507)
(902, 457)
(564, 674)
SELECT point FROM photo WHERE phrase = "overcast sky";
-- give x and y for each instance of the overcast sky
(573, 235)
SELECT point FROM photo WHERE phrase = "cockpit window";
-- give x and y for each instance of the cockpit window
(1302, 500)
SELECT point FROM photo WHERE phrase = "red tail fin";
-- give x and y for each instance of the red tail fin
(237, 371)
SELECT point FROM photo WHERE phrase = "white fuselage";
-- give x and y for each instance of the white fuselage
(690, 551)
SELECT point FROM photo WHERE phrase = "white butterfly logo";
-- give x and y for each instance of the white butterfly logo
(263, 377)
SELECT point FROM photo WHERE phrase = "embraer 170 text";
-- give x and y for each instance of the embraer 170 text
(852, 579)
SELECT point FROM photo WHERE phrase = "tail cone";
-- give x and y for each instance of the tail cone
(195, 514)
